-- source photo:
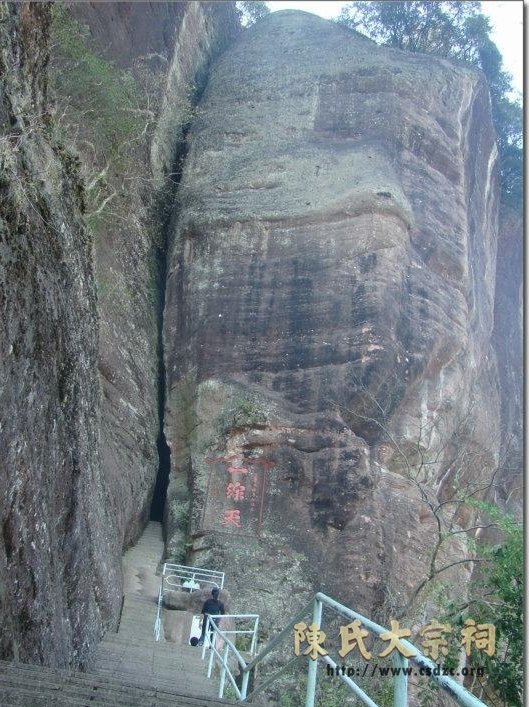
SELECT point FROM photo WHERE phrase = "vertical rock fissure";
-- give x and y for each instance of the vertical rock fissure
(164, 208)
(165, 217)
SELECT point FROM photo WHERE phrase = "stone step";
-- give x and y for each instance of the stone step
(116, 640)
(159, 651)
(143, 549)
(148, 552)
(130, 668)
(33, 686)
(132, 653)
(189, 687)
(17, 696)
(140, 620)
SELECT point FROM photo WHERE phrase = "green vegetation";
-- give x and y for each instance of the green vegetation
(108, 97)
(249, 12)
(500, 597)
(243, 642)
(101, 112)
(229, 692)
(330, 692)
(461, 31)
(428, 693)
(243, 412)
(105, 114)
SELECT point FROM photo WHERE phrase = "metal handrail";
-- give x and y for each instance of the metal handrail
(213, 629)
(242, 631)
(193, 578)
(199, 574)
(457, 691)
(316, 605)
(253, 631)
(279, 638)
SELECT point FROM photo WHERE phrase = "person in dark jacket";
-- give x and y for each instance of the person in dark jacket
(211, 607)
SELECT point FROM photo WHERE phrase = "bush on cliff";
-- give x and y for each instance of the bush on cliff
(106, 98)
(501, 599)
(250, 11)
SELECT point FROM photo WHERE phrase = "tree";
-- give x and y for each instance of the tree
(457, 511)
(449, 471)
(250, 12)
(461, 31)
(499, 600)
(431, 27)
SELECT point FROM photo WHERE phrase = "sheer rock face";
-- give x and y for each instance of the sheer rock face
(507, 340)
(176, 42)
(330, 293)
(78, 449)
(59, 567)
(172, 44)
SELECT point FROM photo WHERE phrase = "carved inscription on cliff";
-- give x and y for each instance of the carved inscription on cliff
(235, 494)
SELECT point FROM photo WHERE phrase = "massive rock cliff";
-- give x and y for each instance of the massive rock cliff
(329, 315)
(508, 344)
(128, 151)
(332, 326)
(58, 556)
(79, 405)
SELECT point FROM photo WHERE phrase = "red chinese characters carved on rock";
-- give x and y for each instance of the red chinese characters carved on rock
(237, 470)
(232, 517)
(235, 490)
(235, 495)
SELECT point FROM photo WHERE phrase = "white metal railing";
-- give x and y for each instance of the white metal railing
(252, 619)
(191, 577)
(216, 638)
(224, 649)
(183, 578)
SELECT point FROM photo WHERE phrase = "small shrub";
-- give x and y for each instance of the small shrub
(106, 98)
(243, 412)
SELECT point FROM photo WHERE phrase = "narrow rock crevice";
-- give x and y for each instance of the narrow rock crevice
(165, 213)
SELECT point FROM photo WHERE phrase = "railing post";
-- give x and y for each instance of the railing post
(254, 637)
(244, 684)
(223, 674)
(210, 664)
(400, 681)
(207, 642)
(158, 621)
(313, 664)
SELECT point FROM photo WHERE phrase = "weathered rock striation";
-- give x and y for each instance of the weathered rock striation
(59, 565)
(329, 316)
(79, 355)
(507, 340)
(337, 355)
(167, 48)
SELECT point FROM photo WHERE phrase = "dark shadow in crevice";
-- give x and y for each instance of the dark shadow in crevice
(164, 212)
(162, 479)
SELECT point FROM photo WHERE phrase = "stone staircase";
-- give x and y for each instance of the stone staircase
(24, 685)
(130, 667)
